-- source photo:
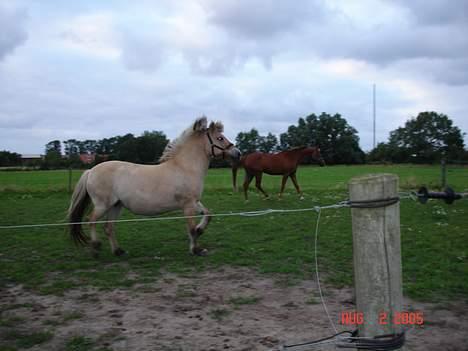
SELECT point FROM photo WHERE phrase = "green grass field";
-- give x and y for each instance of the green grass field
(434, 236)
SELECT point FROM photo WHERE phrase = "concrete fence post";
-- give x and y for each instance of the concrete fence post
(376, 254)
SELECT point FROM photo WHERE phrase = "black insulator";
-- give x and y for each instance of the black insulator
(448, 195)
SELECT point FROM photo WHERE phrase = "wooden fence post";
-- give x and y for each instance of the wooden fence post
(376, 254)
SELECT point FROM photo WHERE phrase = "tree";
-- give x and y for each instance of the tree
(338, 141)
(54, 146)
(248, 142)
(268, 143)
(424, 139)
(53, 155)
(8, 159)
(299, 135)
(384, 152)
(150, 146)
(107, 146)
(126, 148)
(71, 147)
(88, 146)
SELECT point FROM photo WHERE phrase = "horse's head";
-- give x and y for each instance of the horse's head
(314, 152)
(217, 145)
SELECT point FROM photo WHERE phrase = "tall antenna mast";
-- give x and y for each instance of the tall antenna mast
(373, 100)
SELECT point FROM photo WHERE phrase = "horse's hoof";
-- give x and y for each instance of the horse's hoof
(119, 252)
(96, 245)
(198, 251)
(302, 198)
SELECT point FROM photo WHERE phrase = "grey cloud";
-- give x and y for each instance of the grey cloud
(448, 71)
(13, 33)
(390, 44)
(262, 18)
(436, 12)
(454, 72)
(443, 45)
(434, 30)
(141, 53)
(225, 59)
(221, 64)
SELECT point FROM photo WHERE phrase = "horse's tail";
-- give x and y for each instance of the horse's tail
(235, 166)
(79, 201)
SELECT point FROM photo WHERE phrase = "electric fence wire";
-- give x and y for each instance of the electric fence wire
(148, 219)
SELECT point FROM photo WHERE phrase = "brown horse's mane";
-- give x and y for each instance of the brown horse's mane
(298, 148)
(294, 149)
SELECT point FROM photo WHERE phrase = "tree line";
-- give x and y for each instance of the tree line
(146, 148)
(426, 138)
(338, 141)
(423, 139)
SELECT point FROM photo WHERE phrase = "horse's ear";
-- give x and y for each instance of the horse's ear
(200, 124)
(216, 127)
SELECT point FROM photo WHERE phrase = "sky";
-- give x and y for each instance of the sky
(93, 69)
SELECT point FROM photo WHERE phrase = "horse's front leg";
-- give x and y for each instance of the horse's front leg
(258, 184)
(205, 219)
(296, 185)
(194, 230)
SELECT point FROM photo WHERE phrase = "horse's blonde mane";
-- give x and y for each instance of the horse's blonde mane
(174, 146)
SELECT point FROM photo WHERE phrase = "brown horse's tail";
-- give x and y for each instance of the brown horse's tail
(235, 166)
(79, 201)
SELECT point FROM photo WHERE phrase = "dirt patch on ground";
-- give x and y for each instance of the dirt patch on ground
(228, 309)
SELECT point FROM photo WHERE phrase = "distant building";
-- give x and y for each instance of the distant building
(27, 158)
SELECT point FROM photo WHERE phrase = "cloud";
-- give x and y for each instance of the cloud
(142, 53)
(254, 20)
(188, 35)
(219, 38)
(437, 12)
(93, 70)
(13, 33)
(90, 34)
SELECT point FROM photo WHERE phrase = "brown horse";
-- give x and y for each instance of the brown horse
(284, 163)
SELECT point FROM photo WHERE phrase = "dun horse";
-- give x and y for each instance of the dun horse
(284, 163)
(176, 183)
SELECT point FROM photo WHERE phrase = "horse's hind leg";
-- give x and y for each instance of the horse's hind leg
(95, 215)
(258, 184)
(283, 184)
(247, 180)
(112, 215)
